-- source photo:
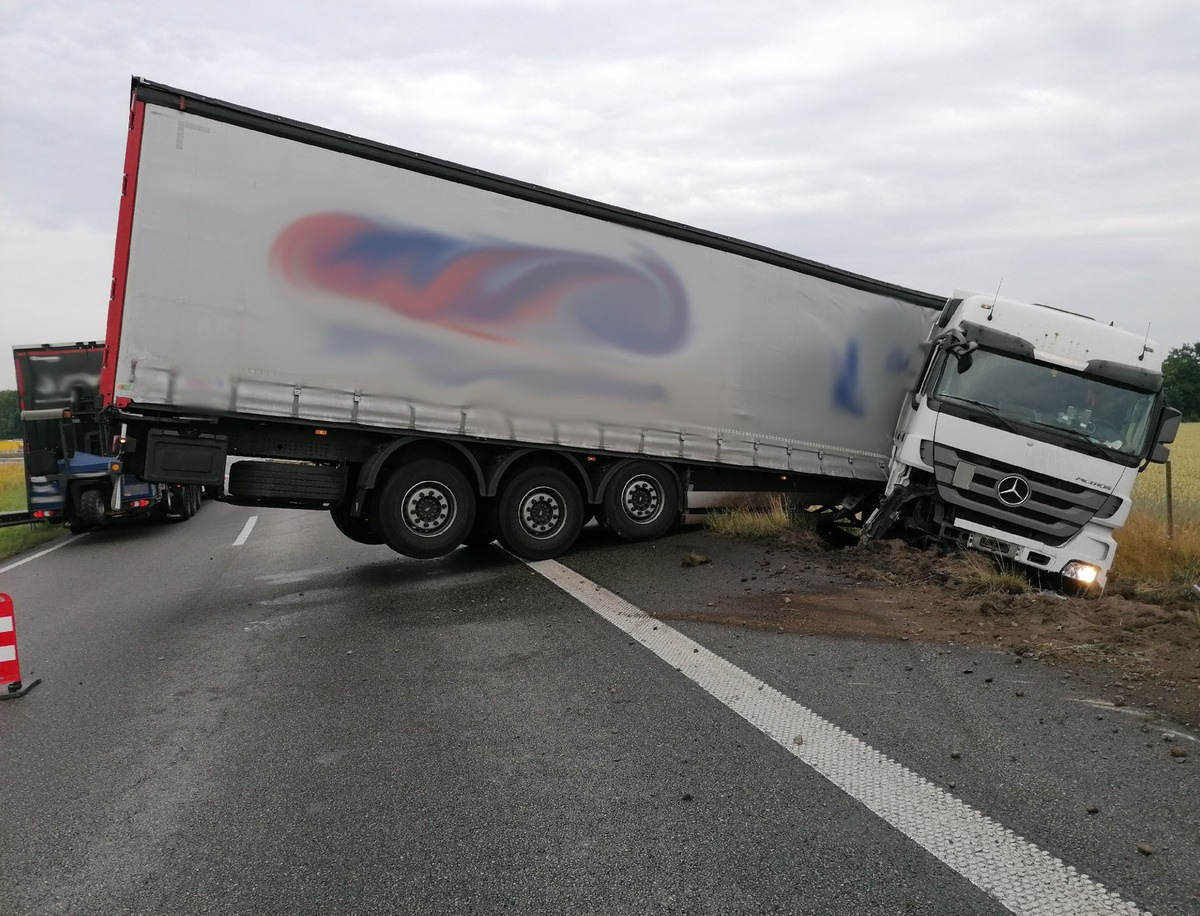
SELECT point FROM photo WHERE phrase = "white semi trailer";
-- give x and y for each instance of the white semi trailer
(439, 355)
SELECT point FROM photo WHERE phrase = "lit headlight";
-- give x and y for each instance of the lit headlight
(1081, 572)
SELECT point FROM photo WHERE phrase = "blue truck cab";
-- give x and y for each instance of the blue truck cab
(68, 479)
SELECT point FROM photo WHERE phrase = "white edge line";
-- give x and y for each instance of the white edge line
(249, 526)
(40, 553)
(1022, 877)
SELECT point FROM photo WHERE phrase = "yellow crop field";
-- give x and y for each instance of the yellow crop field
(1150, 494)
(1148, 548)
(12, 485)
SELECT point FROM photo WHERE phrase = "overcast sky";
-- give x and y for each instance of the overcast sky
(1051, 145)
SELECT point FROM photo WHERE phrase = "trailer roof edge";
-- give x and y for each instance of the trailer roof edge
(216, 109)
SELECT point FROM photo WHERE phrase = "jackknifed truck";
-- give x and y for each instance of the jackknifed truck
(437, 356)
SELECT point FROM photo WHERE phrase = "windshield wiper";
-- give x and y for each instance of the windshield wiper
(989, 409)
(1098, 448)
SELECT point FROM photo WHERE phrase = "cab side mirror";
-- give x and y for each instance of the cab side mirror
(1168, 429)
(962, 354)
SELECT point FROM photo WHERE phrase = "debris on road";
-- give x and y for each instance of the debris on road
(1144, 655)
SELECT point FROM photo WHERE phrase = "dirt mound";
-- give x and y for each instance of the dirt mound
(1138, 646)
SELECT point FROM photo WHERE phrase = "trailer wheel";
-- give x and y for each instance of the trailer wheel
(355, 527)
(641, 502)
(539, 513)
(425, 509)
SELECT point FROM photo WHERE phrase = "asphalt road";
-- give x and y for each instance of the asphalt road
(273, 719)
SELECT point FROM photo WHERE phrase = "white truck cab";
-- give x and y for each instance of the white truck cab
(1025, 436)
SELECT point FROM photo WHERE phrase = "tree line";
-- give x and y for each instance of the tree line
(1181, 379)
(10, 416)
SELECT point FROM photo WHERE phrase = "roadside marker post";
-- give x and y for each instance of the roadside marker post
(10, 665)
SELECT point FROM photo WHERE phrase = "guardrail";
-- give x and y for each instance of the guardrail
(19, 517)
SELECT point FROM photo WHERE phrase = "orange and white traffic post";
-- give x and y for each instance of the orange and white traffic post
(10, 665)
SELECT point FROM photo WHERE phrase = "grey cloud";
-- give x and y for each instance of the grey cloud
(933, 144)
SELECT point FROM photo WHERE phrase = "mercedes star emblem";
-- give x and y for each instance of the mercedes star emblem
(1013, 491)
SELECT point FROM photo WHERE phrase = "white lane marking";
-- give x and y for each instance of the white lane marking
(1021, 876)
(41, 553)
(241, 538)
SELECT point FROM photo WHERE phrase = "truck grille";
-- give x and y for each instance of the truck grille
(1054, 512)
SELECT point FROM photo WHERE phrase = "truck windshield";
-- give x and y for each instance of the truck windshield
(1070, 404)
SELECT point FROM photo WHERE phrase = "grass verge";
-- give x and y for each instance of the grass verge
(985, 575)
(20, 538)
(752, 523)
(1146, 551)
(775, 519)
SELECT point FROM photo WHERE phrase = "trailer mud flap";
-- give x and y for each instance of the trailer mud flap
(172, 458)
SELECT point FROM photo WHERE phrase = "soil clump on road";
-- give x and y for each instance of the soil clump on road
(1138, 647)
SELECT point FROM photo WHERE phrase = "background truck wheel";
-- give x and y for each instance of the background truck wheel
(641, 501)
(538, 514)
(179, 505)
(89, 511)
(425, 509)
(355, 527)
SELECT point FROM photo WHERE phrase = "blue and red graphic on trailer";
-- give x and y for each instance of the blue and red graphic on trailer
(490, 289)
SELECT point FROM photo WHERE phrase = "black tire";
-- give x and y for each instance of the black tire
(355, 527)
(641, 501)
(538, 514)
(483, 532)
(425, 509)
(283, 481)
(197, 497)
(89, 512)
(178, 507)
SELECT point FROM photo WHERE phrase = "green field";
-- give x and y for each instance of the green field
(12, 496)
